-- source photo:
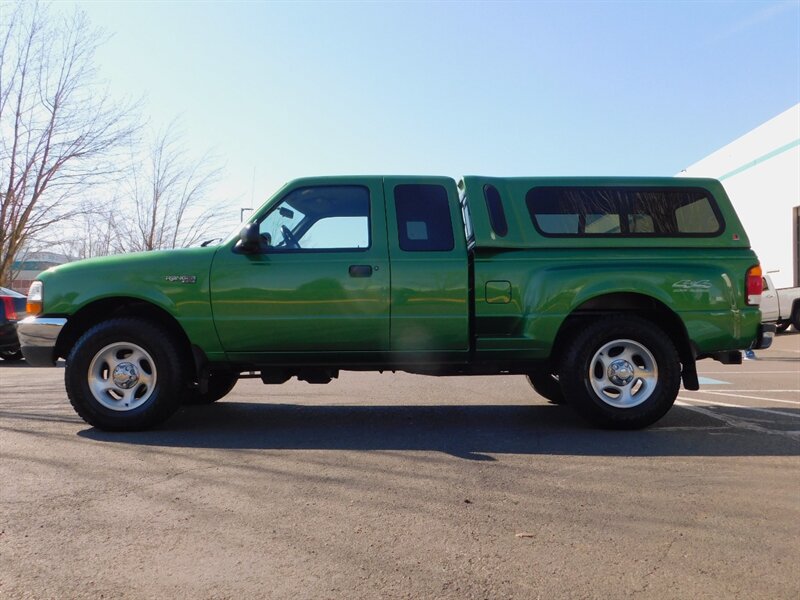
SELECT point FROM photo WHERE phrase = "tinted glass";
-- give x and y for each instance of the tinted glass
(423, 218)
(497, 216)
(610, 212)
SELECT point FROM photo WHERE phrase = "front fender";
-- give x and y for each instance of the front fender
(177, 281)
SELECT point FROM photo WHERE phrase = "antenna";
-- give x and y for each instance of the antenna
(253, 187)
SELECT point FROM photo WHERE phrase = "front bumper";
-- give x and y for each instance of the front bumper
(37, 339)
(766, 333)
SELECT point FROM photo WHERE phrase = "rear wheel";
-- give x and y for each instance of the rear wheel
(11, 355)
(125, 374)
(547, 386)
(796, 316)
(621, 372)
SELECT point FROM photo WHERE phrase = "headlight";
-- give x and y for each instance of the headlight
(35, 294)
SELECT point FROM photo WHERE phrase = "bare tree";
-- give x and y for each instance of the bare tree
(168, 191)
(59, 129)
(91, 233)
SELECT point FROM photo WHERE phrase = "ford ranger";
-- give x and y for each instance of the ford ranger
(604, 292)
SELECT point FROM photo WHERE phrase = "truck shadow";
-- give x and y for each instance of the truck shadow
(472, 432)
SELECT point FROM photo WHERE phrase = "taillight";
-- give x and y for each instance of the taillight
(754, 285)
(8, 305)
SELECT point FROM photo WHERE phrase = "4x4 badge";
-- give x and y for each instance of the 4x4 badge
(687, 285)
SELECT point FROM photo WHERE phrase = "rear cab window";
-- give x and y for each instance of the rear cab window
(624, 212)
(423, 218)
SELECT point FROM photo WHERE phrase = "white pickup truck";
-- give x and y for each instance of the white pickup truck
(781, 307)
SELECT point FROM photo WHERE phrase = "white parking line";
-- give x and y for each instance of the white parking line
(746, 372)
(737, 395)
(768, 391)
(735, 422)
(709, 381)
(753, 408)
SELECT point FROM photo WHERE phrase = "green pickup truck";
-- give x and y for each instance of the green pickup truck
(604, 292)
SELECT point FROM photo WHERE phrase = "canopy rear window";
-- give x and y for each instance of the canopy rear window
(624, 212)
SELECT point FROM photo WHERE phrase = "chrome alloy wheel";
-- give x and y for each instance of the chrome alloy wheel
(122, 376)
(623, 373)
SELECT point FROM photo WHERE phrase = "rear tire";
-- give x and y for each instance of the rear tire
(11, 355)
(547, 386)
(621, 372)
(125, 375)
(796, 316)
(781, 326)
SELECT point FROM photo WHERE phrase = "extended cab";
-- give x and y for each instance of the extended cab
(603, 291)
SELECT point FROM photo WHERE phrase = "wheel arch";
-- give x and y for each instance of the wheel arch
(123, 306)
(642, 305)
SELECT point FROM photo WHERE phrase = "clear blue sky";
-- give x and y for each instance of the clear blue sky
(610, 88)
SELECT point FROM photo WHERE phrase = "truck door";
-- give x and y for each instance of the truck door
(430, 272)
(319, 283)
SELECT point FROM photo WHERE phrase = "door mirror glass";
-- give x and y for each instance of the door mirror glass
(249, 238)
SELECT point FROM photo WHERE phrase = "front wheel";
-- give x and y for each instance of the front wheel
(621, 372)
(124, 375)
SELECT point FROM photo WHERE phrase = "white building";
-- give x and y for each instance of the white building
(761, 173)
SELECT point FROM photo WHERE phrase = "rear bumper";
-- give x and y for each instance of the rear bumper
(766, 333)
(37, 339)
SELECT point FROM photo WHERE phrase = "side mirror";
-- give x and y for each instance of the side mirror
(249, 239)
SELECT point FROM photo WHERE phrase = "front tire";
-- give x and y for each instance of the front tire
(621, 372)
(125, 375)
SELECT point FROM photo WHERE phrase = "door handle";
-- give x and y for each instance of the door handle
(360, 270)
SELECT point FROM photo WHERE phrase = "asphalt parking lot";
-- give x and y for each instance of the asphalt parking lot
(399, 486)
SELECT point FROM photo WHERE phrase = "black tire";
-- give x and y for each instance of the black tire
(796, 316)
(621, 372)
(547, 386)
(11, 355)
(220, 385)
(142, 390)
(781, 326)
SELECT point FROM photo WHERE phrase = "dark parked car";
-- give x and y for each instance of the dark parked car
(12, 309)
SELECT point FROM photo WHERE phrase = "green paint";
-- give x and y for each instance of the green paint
(267, 308)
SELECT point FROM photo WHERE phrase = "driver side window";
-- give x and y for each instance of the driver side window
(319, 218)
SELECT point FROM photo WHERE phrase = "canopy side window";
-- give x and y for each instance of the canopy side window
(497, 215)
(623, 212)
